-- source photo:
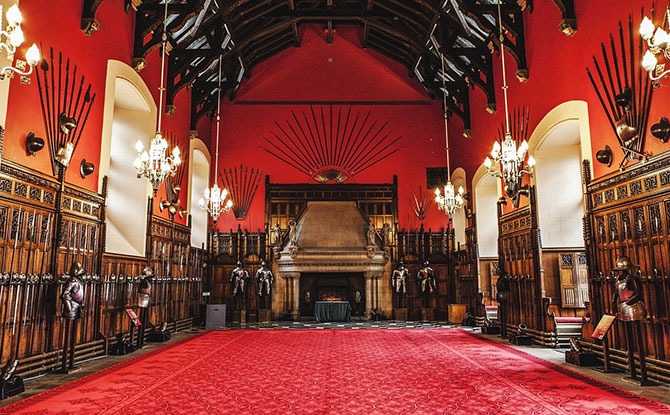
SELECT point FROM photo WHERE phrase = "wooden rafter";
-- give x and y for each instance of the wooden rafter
(400, 29)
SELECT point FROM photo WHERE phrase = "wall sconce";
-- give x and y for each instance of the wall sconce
(33, 144)
(658, 42)
(12, 38)
(661, 130)
(86, 168)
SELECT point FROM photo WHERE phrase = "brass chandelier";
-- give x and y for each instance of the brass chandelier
(507, 161)
(448, 200)
(154, 164)
(216, 200)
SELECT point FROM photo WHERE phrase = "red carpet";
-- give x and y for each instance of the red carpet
(411, 371)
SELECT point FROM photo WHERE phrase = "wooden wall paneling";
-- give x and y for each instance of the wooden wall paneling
(628, 215)
(519, 259)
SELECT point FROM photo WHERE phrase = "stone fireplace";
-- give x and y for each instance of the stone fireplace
(326, 286)
(333, 258)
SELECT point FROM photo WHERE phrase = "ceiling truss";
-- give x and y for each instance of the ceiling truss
(243, 33)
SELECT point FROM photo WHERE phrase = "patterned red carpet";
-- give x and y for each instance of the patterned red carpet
(410, 371)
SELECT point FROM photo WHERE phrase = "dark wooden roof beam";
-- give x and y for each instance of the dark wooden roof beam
(568, 24)
(426, 18)
(263, 50)
(88, 23)
(294, 27)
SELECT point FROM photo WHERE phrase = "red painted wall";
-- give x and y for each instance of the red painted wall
(57, 24)
(340, 73)
(344, 74)
(557, 66)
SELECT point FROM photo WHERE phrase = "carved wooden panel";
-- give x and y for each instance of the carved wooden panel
(634, 223)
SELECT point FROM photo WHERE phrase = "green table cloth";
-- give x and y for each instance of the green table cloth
(332, 311)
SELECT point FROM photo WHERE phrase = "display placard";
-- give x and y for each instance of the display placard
(603, 326)
(133, 317)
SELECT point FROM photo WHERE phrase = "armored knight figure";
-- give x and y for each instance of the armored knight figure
(265, 279)
(73, 293)
(144, 288)
(627, 298)
(239, 278)
(426, 278)
(399, 278)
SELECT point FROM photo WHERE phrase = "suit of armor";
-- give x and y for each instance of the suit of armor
(265, 279)
(426, 278)
(627, 291)
(399, 278)
(73, 293)
(627, 300)
(239, 279)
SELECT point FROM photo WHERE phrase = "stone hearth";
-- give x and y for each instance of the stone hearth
(331, 242)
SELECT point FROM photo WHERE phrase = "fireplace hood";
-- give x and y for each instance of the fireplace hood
(331, 237)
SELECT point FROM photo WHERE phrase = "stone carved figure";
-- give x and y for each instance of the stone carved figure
(292, 233)
(372, 234)
(387, 233)
(275, 231)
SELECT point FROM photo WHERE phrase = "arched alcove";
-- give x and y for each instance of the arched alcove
(458, 179)
(129, 115)
(559, 145)
(198, 182)
(485, 199)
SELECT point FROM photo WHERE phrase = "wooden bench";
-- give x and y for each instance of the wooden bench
(491, 314)
(565, 328)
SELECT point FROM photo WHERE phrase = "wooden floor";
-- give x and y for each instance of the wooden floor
(660, 393)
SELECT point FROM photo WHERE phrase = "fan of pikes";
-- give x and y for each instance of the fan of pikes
(625, 91)
(332, 145)
(66, 104)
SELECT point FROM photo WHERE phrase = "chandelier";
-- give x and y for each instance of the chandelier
(214, 200)
(154, 164)
(449, 201)
(507, 161)
(10, 39)
(658, 41)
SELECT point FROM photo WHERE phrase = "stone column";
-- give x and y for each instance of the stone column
(295, 296)
(368, 295)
